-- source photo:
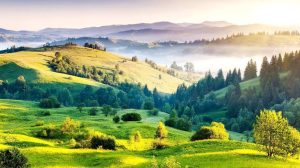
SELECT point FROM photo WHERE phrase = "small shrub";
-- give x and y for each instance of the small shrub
(49, 132)
(93, 111)
(159, 144)
(134, 59)
(131, 117)
(153, 112)
(116, 119)
(170, 162)
(72, 143)
(136, 137)
(43, 113)
(50, 102)
(39, 123)
(104, 142)
(46, 113)
(13, 158)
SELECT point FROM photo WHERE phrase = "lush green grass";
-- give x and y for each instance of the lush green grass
(18, 119)
(33, 65)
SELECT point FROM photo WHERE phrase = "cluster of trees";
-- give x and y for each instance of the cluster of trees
(64, 64)
(125, 95)
(14, 49)
(291, 110)
(155, 66)
(273, 91)
(250, 70)
(176, 67)
(287, 33)
(190, 102)
(95, 46)
(242, 106)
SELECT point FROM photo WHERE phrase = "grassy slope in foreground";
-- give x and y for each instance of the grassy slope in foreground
(18, 120)
(36, 61)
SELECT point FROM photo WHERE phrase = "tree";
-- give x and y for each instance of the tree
(161, 132)
(65, 97)
(136, 137)
(250, 70)
(134, 59)
(189, 67)
(273, 132)
(149, 104)
(13, 158)
(58, 56)
(80, 107)
(106, 110)
(175, 66)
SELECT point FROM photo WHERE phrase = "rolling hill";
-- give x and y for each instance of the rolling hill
(33, 65)
(19, 119)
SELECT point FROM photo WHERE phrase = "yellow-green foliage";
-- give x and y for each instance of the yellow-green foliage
(214, 131)
(161, 132)
(273, 132)
(137, 72)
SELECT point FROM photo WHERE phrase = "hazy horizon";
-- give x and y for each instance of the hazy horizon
(37, 15)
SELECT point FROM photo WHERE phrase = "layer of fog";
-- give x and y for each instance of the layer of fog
(6, 45)
(207, 58)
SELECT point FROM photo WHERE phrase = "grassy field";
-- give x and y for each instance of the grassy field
(33, 65)
(18, 121)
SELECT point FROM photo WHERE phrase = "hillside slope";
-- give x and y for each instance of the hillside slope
(36, 63)
(18, 120)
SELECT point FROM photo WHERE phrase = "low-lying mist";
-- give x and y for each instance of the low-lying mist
(207, 57)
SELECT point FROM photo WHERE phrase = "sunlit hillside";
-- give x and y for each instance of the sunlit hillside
(33, 65)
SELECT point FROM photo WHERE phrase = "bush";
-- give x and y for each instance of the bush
(131, 117)
(104, 142)
(159, 144)
(46, 113)
(148, 105)
(93, 111)
(49, 132)
(214, 131)
(39, 123)
(70, 127)
(50, 102)
(116, 119)
(153, 112)
(13, 158)
(171, 162)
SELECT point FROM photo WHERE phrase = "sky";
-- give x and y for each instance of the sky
(39, 14)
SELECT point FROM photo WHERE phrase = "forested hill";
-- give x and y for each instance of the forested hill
(235, 101)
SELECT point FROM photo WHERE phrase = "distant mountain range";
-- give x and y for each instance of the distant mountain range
(142, 32)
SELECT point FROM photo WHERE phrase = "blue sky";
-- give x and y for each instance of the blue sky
(38, 14)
